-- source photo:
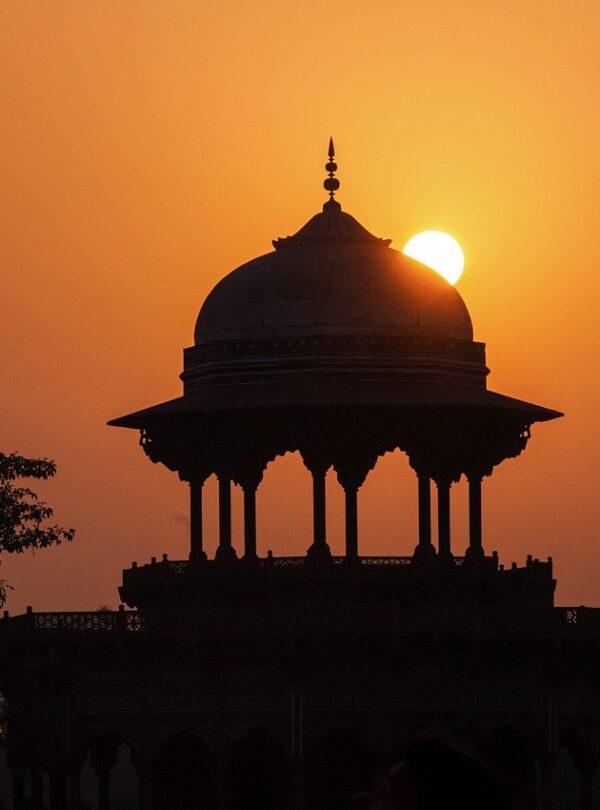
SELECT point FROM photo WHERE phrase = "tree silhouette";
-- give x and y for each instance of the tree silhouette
(21, 511)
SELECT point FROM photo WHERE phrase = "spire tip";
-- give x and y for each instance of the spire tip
(331, 183)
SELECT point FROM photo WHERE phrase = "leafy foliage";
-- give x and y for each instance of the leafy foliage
(21, 512)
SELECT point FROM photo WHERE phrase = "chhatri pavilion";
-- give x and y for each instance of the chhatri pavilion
(342, 348)
(244, 682)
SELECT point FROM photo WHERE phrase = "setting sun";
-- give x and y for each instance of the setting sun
(437, 250)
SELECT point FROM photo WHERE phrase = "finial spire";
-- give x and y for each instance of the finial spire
(331, 183)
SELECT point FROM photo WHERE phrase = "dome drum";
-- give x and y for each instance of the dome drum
(344, 357)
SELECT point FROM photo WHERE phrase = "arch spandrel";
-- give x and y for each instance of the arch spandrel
(241, 444)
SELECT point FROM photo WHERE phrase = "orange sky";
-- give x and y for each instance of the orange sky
(147, 148)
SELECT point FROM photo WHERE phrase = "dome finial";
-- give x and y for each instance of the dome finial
(331, 184)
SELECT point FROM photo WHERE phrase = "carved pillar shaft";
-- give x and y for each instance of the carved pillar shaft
(424, 509)
(443, 488)
(475, 546)
(225, 550)
(196, 541)
(319, 510)
(319, 550)
(351, 494)
(224, 512)
(315, 463)
(249, 522)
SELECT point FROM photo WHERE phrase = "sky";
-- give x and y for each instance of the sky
(148, 148)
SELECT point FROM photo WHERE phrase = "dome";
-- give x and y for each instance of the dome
(331, 279)
(332, 321)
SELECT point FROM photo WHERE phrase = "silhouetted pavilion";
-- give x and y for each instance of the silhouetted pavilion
(342, 348)
(249, 682)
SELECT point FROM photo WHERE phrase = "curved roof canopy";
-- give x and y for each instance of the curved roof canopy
(335, 338)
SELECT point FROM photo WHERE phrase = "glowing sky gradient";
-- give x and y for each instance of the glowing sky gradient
(147, 148)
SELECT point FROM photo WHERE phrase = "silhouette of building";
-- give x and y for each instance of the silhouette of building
(253, 683)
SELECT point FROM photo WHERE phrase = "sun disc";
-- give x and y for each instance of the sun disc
(437, 250)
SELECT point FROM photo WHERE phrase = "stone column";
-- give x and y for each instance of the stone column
(249, 522)
(443, 488)
(352, 466)
(424, 509)
(425, 550)
(475, 550)
(225, 550)
(248, 476)
(197, 552)
(319, 549)
(351, 493)
(319, 508)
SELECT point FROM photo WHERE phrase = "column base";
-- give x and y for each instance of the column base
(225, 554)
(319, 554)
(445, 561)
(474, 555)
(198, 557)
(424, 555)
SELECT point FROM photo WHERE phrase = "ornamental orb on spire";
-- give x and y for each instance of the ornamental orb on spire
(331, 183)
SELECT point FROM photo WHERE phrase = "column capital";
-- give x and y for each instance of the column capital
(352, 465)
(315, 461)
(478, 473)
(446, 478)
(195, 478)
(249, 477)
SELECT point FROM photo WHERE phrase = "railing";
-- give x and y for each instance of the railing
(580, 617)
(98, 621)
(532, 569)
(178, 567)
(282, 562)
(378, 619)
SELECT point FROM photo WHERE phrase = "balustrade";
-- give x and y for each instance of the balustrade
(569, 619)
